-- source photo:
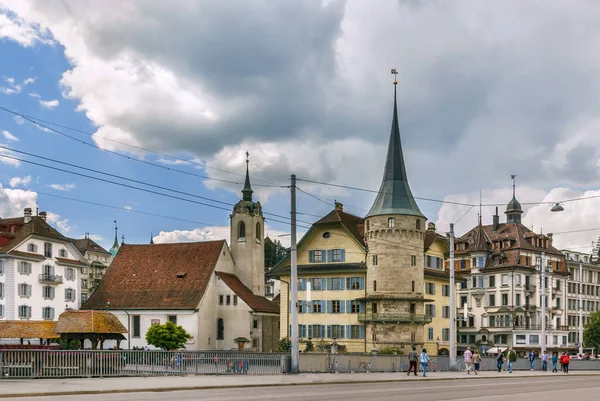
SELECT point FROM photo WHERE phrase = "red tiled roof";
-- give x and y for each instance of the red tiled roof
(37, 226)
(146, 276)
(255, 302)
(28, 329)
(70, 262)
(89, 321)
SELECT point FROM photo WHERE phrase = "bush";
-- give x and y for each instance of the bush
(285, 345)
(310, 347)
(389, 351)
(167, 336)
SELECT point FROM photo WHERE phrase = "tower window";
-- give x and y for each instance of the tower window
(391, 222)
(258, 235)
(418, 224)
(242, 231)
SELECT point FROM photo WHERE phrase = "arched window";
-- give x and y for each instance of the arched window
(242, 231)
(220, 328)
(391, 222)
(258, 234)
(418, 224)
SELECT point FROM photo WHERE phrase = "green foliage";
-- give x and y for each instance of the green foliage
(591, 332)
(274, 252)
(69, 344)
(167, 336)
(285, 345)
(310, 347)
(389, 351)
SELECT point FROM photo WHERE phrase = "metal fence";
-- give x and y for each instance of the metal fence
(86, 363)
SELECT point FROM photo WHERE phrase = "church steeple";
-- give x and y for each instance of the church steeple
(513, 209)
(115, 248)
(395, 196)
(151, 239)
(247, 190)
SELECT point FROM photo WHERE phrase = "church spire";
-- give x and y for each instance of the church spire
(247, 190)
(395, 196)
(151, 239)
(513, 209)
(115, 248)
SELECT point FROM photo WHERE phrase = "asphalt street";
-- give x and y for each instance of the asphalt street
(554, 387)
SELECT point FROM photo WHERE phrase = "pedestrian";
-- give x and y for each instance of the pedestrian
(531, 358)
(564, 360)
(476, 360)
(412, 360)
(554, 362)
(500, 361)
(545, 361)
(512, 358)
(468, 355)
(424, 361)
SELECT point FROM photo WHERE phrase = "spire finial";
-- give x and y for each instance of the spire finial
(151, 239)
(122, 239)
(513, 176)
(247, 190)
(395, 73)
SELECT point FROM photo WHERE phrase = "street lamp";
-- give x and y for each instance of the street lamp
(557, 208)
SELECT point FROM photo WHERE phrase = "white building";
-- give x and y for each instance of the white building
(39, 269)
(98, 258)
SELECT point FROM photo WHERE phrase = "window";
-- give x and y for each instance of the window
(418, 225)
(413, 286)
(1, 310)
(446, 312)
(136, 326)
(374, 285)
(430, 333)
(356, 331)
(69, 294)
(430, 288)
(336, 306)
(317, 284)
(518, 279)
(504, 280)
(48, 313)
(492, 300)
(220, 299)
(32, 248)
(445, 290)
(374, 308)
(534, 339)
(24, 311)
(492, 321)
(84, 283)
(492, 281)
(317, 307)
(241, 231)
(316, 331)
(1, 290)
(326, 235)
(413, 260)
(63, 253)
(25, 268)
(480, 281)
(84, 297)
(463, 285)
(391, 222)
(84, 270)
(374, 260)
(429, 310)
(317, 256)
(480, 261)
(521, 339)
(228, 298)
(25, 290)
(354, 307)
(48, 292)
(463, 264)
(336, 283)
(69, 274)
(504, 299)
(172, 319)
(337, 255)
(518, 299)
(235, 299)
(335, 331)
(258, 231)
(355, 283)
(463, 301)
(47, 249)
(445, 334)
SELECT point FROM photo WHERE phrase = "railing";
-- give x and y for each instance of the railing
(88, 363)
(394, 318)
(50, 278)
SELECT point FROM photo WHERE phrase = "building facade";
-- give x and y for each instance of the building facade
(500, 303)
(39, 270)
(98, 259)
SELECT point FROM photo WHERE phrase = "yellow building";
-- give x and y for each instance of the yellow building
(331, 277)
(437, 292)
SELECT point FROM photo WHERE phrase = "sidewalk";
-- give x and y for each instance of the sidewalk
(47, 387)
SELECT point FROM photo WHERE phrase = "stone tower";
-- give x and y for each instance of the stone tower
(247, 234)
(395, 233)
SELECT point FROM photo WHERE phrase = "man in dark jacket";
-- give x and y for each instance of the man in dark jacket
(412, 360)
(512, 358)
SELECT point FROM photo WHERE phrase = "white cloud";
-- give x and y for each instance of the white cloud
(19, 120)
(9, 136)
(49, 104)
(35, 95)
(173, 162)
(127, 207)
(13, 201)
(20, 181)
(12, 88)
(20, 31)
(8, 160)
(29, 81)
(96, 237)
(62, 187)
(62, 225)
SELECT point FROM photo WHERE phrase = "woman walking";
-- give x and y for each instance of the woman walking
(499, 361)
(476, 360)
(554, 362)
(424, 361)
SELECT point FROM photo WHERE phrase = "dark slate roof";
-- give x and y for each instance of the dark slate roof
(394, 196)
(320, 268)
(146, 276)
(87, 244)
(513, 206)
(255, 302)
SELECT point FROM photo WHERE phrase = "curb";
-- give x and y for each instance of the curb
(234, 386)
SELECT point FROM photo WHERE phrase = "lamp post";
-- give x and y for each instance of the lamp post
(128, 324)
(452, 301)
(543, 302)
(294, 279)
(580, 308)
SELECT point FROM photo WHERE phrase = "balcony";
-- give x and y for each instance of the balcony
(394, 318)
(50, 279)
(530, 287)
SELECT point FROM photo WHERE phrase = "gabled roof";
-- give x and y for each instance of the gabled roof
(354, 224)
(36, 226)
(89, 321)
(158, 276)
(28, 329)
(255, 302)
(431, 236)
(87, 244)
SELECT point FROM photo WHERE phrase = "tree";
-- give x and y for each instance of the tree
(274, 252)
(591, 332)
(167, 336)
(310, 347)
(285, 345)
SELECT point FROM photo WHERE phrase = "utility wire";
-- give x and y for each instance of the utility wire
(36, 121)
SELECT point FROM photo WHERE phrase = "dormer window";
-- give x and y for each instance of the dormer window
(32, 248)
(63, 253)
(391, 222)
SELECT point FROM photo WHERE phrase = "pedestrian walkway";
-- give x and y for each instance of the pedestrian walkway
(48, 387)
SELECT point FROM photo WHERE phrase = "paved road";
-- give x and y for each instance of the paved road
(554, 388)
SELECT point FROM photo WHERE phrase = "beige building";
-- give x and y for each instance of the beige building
(99, 260)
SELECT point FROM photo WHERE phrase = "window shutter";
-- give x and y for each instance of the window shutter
(301, 307)
(342, 284)
(289, 306)
(330, 255)
(328, 331)
(311, 256)
(29, 290)
(303, 284)
(323, 284)
(309, 307)
(342, 306)
(469, 264)
(323, 253)
(361, 331)
(348, 306)
(343, 255)
(329, 308)
(348, 331)
(322, 330)
(348, 282)
(330, 283)
(457, 264)
(310, 331)
(342, 332)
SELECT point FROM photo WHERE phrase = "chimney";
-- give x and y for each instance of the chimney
(43, 215)
(549, 235)
(27, 215)
(339, 206)
(496, 220)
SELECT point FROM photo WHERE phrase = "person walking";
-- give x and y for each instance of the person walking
(564, 361)
(531, 358)
(512, 358)
(545, 361)
(424, 361)
(500, 361)
(468, 356)
(476, 360)
(554, 362)
(412, 360)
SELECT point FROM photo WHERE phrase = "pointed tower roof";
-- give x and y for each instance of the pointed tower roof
(151, 239)
(115, 248)
(513, 209)
(395, 196)
(247, 190)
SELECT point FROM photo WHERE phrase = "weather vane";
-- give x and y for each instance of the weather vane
(247, 157)
(395, 74)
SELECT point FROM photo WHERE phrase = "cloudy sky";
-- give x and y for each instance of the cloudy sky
(486, 89)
